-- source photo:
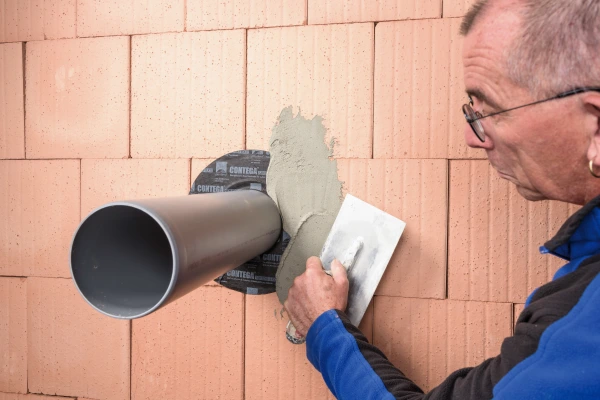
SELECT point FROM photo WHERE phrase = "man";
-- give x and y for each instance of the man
(532, 72)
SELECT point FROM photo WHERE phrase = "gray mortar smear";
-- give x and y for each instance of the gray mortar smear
(303, 181)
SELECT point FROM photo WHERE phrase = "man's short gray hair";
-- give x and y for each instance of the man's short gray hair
(557, 47)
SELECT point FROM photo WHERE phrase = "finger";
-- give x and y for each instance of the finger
(300, 332)
(338, 272)
(289, 315)
(314, 263)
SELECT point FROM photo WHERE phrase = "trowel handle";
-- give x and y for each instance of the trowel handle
(346, 260)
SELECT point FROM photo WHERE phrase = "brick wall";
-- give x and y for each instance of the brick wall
(118, 99)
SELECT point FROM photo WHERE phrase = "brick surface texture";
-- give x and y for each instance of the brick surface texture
(324, 70)
(230, 14)
(201, 112)
(17, 396)
(12, 109)
(37, 20)
(77, 98)
(179, 346)
(13, 335)
(113, 100)
(118, 17)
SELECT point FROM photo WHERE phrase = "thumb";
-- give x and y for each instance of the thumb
(339, 273)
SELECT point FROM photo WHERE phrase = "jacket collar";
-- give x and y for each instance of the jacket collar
(579, 237)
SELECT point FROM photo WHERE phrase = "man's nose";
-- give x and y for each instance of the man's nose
(472, 140)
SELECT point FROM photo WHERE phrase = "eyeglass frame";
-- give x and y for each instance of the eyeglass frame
(471, 121)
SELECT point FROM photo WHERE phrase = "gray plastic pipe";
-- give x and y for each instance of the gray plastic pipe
(130, 258)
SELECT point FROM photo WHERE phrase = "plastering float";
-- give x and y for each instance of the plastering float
(363, 238)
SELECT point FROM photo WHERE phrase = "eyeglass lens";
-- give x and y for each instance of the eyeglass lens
(471, 117)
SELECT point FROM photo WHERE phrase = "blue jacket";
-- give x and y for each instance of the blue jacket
(553, 354)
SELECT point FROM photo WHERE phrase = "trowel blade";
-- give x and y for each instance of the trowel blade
(380, 232)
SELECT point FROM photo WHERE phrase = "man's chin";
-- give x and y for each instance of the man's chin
(529, 194)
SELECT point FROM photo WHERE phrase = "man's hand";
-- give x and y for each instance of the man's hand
(315, 292)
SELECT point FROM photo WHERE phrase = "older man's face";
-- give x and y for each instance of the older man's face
(538, 148)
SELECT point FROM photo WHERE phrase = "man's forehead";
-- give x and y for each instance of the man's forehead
(484, 52)
(498, 12)
(496, 27)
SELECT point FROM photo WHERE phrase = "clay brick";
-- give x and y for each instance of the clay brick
(15, 396)
(456, 8)
(37, 20)
(320, 70)
(416, 191)
(419, 91)
(274, 367)
(103, 181)
(495, 234)
(77, 98)
(73, 349)
(191, 349)
(200, 113)
(517, 310)
(231, 14)
(429, 339)
(332, 12)
(12, 127)
(13, 335)
(39, 210)
(128, 17)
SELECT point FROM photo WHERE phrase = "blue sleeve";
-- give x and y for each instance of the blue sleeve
(355, 369)
(335, 353)
(566, 363)
(553, 353)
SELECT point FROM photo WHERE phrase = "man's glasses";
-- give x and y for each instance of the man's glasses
(473, 117)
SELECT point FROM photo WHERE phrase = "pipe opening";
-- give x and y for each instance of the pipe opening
(122, 261)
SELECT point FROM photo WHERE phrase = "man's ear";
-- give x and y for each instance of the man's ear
(591, 103)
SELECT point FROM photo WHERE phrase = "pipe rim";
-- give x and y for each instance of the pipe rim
(172, 244)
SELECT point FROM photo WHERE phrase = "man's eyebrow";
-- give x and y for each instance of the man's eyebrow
(485, 99)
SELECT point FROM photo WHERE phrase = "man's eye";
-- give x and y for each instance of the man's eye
(478, 106)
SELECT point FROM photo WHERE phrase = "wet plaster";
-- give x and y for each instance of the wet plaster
(303, 181)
